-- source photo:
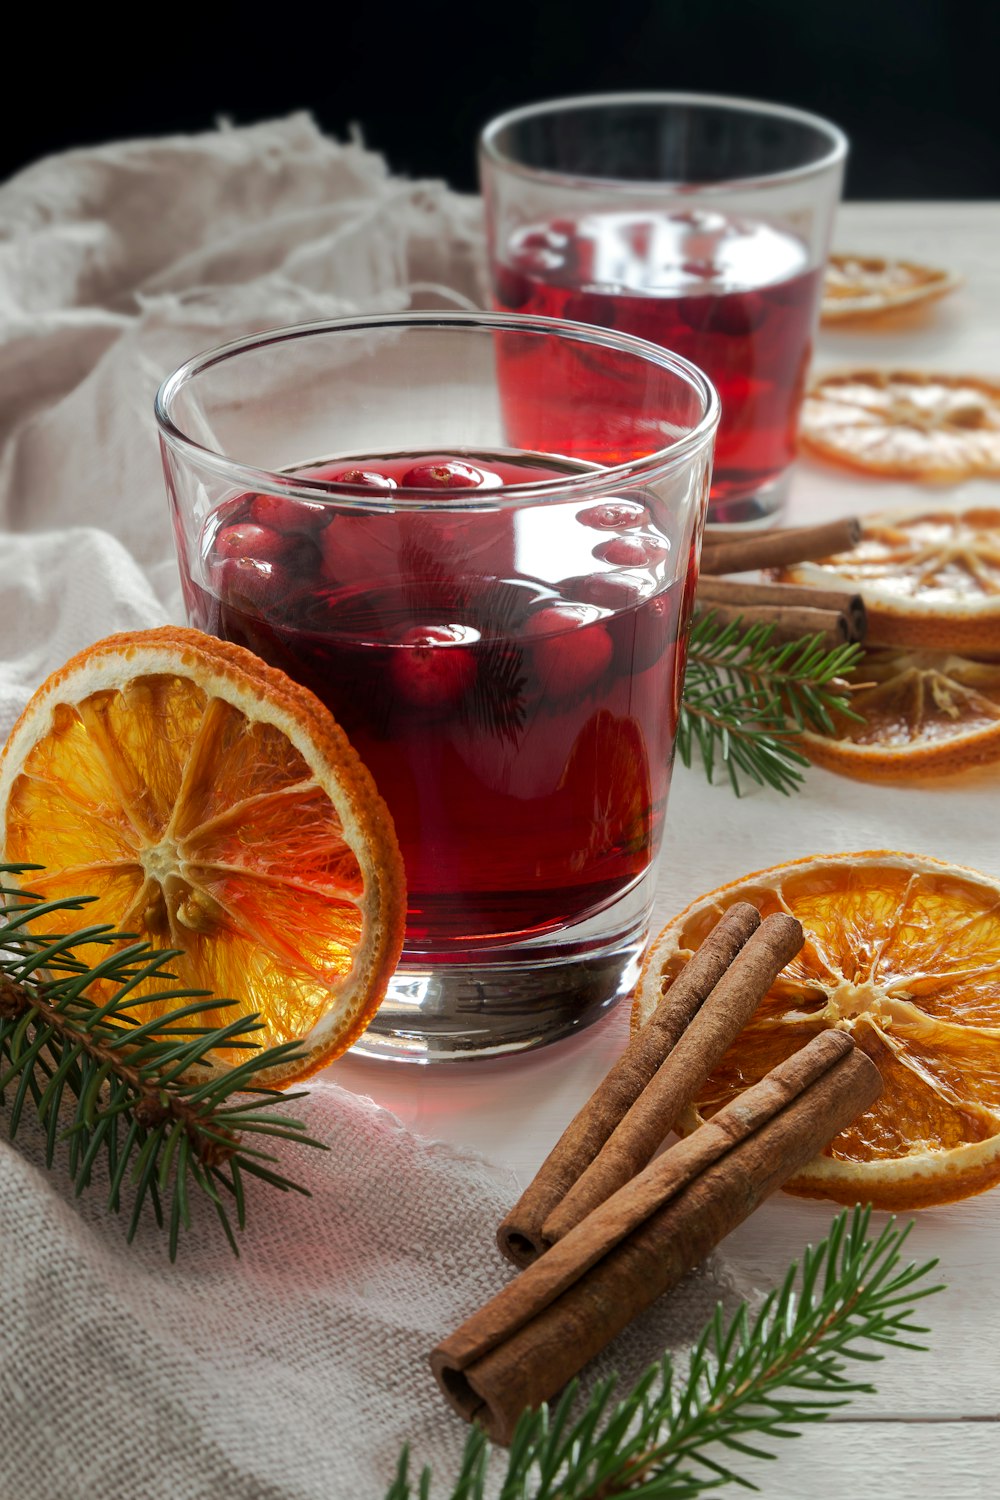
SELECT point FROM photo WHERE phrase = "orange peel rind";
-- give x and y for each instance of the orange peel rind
(923, 713)
(904, 424)
(860, 287)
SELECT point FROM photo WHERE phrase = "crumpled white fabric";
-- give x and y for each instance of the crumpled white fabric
(297, 1372)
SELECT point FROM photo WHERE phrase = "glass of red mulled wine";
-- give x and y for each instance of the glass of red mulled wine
(476, 538)
(700, 223)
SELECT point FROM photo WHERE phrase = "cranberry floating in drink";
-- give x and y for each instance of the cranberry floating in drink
(499, 629)
(702, 224)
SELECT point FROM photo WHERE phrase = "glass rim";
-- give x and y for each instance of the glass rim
(651, 466)
(837, 153)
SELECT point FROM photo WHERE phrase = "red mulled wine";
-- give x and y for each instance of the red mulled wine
(510, 675)
(733, 296)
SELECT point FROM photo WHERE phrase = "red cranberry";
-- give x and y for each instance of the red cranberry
(730, 315)
(369, 479)
(613, 515)
(443, 474)
(655, 629)
(589, 307)
(359, 544)
(614, 591)
(632, 551)
(290, 516)
(237, 509)
(245, 539)
(513, 290)
(431, 670)
(250, 582)
(701, 270)
(572, 651)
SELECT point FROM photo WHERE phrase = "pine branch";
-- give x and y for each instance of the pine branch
(746, 698)
(140, 1095)
(748, 1381)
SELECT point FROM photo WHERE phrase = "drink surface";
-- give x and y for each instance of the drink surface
(733, 296)
(509, 675)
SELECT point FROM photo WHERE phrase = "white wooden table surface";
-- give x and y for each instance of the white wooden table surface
(934, 1427)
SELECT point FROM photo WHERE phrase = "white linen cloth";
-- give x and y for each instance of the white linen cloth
(297, 1372)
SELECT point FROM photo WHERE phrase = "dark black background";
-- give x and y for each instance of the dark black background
(915, 85)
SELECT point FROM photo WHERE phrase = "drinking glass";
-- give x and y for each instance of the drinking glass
(498, 623)
(700, 223)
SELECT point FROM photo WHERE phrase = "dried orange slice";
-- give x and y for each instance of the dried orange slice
(212, 805)
(903, 952)
(607, 778)
(929, 579)
(858, 287)
(905, 425)
(923, 713)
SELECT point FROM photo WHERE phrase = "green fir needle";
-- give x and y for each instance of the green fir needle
(142, 1097)
(746, 699)
(749, 1381)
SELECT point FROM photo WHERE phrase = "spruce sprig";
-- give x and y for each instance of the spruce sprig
(748, 1380)
(139, 1095)
(746, 698)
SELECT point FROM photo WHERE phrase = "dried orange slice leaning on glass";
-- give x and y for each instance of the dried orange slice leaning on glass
(923, 713)
(858, 287)
(903, 424)
(903, 952)
(212, 805)
(929, 580)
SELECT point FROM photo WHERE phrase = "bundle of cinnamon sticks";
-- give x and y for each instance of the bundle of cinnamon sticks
(792, 610)
(604, 1229)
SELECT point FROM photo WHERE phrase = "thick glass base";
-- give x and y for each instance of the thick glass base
(760, 507)
(512, 1000)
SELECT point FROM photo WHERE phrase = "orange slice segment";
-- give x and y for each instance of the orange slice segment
(924, 713)
(930, 579)
(903, 952)
(905, 425)
(859, 287)
(212, 805)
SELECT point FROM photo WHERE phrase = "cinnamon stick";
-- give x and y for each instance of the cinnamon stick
(519, 1236)
(778, 547)
(742, 594)
(537, 1333)
(700, 1048)
(787, 623)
